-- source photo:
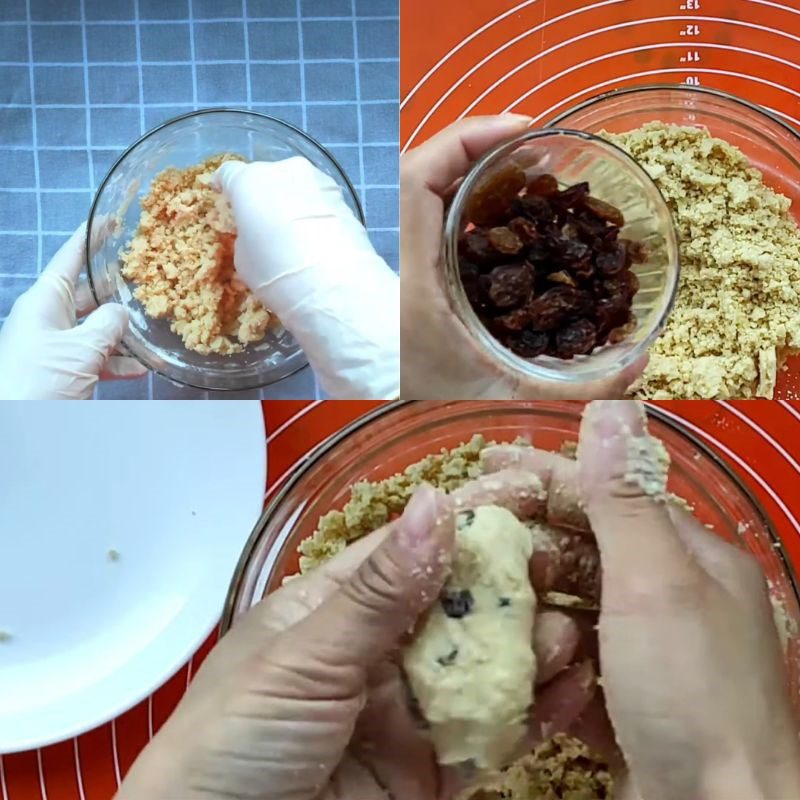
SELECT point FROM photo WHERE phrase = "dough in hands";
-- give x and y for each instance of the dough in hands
(472, 667)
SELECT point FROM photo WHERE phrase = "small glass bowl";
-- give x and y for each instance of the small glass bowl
(183, 142)
(771, 145)
(613, 176)
(389, 438)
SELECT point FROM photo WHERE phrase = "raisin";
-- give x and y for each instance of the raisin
(525, 229)
(503, 602)
(510, 285)
(612, 260)
(543, 185)
(528, 344)
(449, 659)
(572, 253)
(577, 339)
(476, 247)
(535, 208)
(465, 518)
(571, 197)
(505, 241)
(637, 251)
(492, 198)
(604, 211)
(556, 306)
(561, 277)
(617, 335)
(538, 252)
(513, 322)
(457, 603)
(470, 281)
(626, 284)
(610, 312)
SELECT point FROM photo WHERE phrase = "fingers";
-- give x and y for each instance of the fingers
(555, 641)
(622, 479)
(593, 727)
(558, 474)
(84, 299)
(67, 263)
(122, 368)
(99, 334)
(443, 159)
(364, 620)
(521, 493)
(561, 702)
(615, 387)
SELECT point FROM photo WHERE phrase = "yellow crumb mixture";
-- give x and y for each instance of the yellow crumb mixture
(737, 314)
(181, 260)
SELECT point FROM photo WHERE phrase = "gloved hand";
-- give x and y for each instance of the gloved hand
(44, 354)
(440, 358)
(303, 699)
(308, 259)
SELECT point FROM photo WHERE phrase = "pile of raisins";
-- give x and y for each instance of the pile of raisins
(545, 269)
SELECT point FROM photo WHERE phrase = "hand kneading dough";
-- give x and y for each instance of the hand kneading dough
(472, 667)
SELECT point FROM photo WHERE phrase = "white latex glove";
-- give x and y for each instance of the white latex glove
(307, 258)
(44, 354)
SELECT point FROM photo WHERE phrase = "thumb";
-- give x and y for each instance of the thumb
(99, 334)
(364, 620)
(622, 478)
(225, 176)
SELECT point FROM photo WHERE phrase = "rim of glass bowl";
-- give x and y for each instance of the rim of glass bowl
(463, 308)
(554, 123)
(279, 374)
(242, 579)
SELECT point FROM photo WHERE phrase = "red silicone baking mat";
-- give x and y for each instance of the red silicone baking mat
(759, 439)
(539, 57)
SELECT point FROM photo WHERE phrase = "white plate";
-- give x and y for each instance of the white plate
(175, 488)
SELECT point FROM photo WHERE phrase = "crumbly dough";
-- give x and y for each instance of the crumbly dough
(737, 313)
(181, 260)
(562, 768)
(471, 667)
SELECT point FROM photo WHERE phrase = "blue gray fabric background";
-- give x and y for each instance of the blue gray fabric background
(81, 79)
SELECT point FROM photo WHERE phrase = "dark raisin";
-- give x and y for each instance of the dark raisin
(449, 659)
(465, 518)
(513, 322)
(470, 280)
(637, 251)
(505, 241)
(557, 305)
(571, 197)
(610, 313)
(510, 285)
(504, 602)
(612, 260)
(604, 211)
(525, 229)
(626, 284)
(572, 253)
(535, 208)
(529, 344)
(492, 198)
(457, 603)
(543, 185)
(577, 339)
(475, 247)
(538, 252)
(617, 335)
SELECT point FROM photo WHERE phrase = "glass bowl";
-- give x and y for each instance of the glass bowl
(613, 176)
(183, 142)
(772, 145)
(389, 438)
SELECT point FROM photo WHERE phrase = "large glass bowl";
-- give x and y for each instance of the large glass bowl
(772, 145)
(183, 142)
(395, 435)
(613, 176)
